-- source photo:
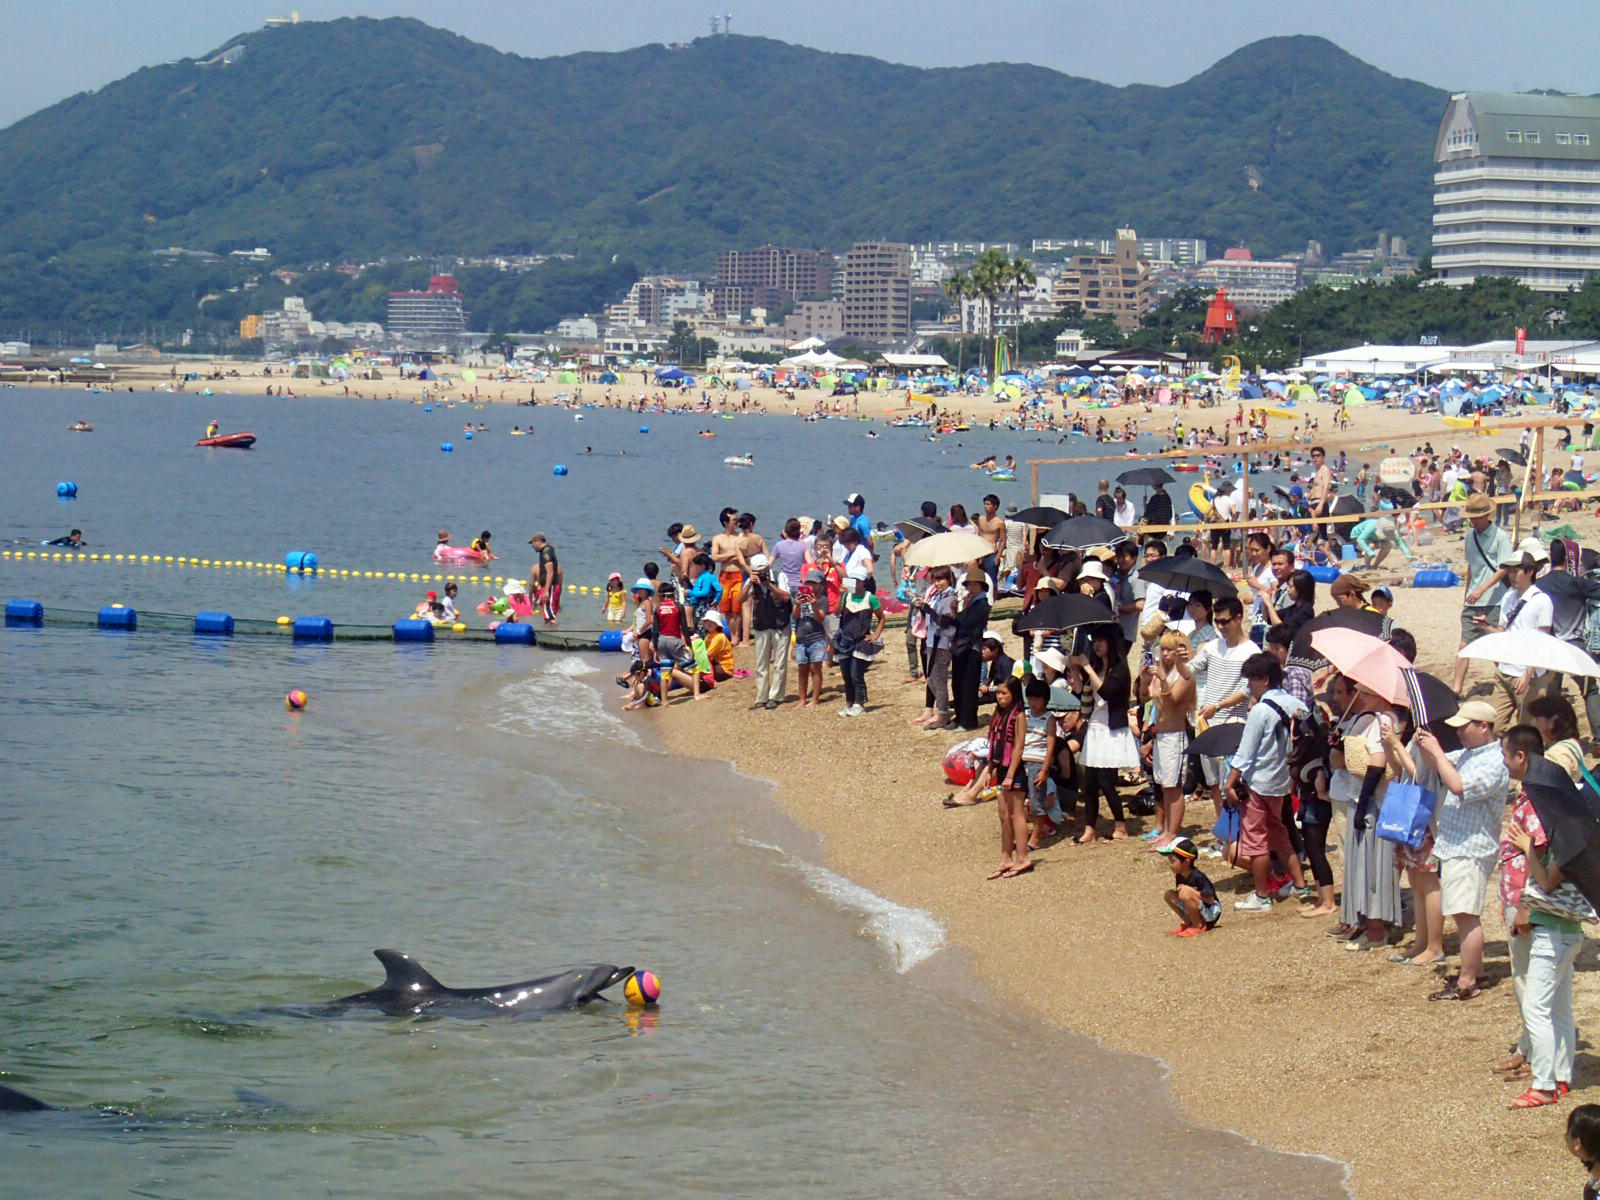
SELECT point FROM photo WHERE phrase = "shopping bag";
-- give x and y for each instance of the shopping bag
(1406, 813)
(1226, 830)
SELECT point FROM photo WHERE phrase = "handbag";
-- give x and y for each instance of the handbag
(1226, 830)
(1406, 814)
(1566, 902)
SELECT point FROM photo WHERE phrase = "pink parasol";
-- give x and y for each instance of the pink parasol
(1363, 659)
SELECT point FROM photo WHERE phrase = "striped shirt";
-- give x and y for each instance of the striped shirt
(1222, 666)
(1469, 824)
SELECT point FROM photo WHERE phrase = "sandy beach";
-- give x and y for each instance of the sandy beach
(1269, 1027)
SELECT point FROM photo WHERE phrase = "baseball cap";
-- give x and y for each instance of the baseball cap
(1180, 848)
(995, 636)
(1472, 710)
(1524, 560)
(759, 563)
(855, 498)
(1347, 585)
(433, 595)
(1383, 591)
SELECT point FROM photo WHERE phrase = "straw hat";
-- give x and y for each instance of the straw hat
(688, 534)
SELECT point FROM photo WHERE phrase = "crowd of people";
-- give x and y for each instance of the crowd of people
(1180, 699)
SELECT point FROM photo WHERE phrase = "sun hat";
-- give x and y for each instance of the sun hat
(1472, 710)
(1478, 505)
(759, 563)
(688, 534)
(1092, 570)
(1053, 659)
(841, 523)
(1179, 848)
(642, 585)
(613, 575)
(977, 577)
(1047, 582)
(1347, 585)
(433, 595)
(714, 617)
(515, 586)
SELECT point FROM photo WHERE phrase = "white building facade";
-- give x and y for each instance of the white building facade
(1517, 189)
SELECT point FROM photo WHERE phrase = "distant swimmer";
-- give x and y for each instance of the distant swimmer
(481, 544)
(73, 539)
(588, 449)
(985, 464)
(80, 426)
(214, 428)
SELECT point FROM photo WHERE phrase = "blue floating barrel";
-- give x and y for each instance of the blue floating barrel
(644, 429)
(611, 639)
(559, 469)
(216, 624)
(313, 629)
(518, 633)
(1438, 577)
(413, 630)
(67, 490)
(1347, 552)
(468, 435)
(427, 408)
(24, 612)
(1323, 574)
(112, 617)
(301, 560)
(447, 447)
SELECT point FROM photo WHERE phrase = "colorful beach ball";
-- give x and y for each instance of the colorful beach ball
(642, 988)
(296, 701)
(960, 764)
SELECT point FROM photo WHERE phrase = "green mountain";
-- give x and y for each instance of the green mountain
(358, 137)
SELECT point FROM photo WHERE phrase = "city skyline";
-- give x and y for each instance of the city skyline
(1157, 42)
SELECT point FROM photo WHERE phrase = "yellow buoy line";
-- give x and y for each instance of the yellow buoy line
(180, 560)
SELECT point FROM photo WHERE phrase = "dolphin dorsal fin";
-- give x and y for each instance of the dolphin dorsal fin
(403, 974)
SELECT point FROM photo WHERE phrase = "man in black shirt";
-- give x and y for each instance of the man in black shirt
(1104, 506)
(1158, 508)
(770, 610)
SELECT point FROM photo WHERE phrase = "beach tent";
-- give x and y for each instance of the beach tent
(567, 377)
(662, 373)
(608, 377)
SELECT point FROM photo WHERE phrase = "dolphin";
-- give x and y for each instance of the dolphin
(408, 989)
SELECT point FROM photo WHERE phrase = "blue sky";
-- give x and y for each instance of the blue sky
(69, 46)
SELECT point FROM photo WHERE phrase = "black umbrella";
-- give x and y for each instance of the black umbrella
(1147, 477)
(1067, 611)
(918, 528)
(1042, 515)
(1514, 457)
(1571, 817)
(1083, 533)
(1187, 574)
(1218, 741)
(1362, 620)
(1432, 699)
(1344, 505)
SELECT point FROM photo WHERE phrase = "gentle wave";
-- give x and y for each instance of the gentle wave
(910, 935)
(555, 704)
(569, 665)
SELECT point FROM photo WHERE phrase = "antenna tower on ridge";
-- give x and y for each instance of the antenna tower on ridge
(714, 29)
(727, 22)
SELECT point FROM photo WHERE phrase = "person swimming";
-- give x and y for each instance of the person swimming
(481, 544)
(74, 539)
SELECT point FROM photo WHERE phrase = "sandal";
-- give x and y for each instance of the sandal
(1534, 1098)
(1451, 992)
(1515, 1063)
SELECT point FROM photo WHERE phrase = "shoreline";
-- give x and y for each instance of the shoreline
(1268, 1030)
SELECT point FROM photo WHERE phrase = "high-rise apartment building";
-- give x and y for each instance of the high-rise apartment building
(877, 291)
(769, 276)
(1517, 189)
(1116, 285)
(434, 320)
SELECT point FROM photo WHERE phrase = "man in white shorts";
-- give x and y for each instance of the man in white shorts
(1472, 801)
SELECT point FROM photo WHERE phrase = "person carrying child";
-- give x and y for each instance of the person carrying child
(1192, 896)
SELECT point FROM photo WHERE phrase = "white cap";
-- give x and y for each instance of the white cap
(855, 498)
(759, 563)
(714, 617)
(1092, 570)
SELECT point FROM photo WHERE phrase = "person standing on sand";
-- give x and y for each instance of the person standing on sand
(966, 662)
(1261, 765)
(992, 528)
(751, 544)
(771, 608)
(730, 565)
(546, 574)
(1108, 745)
(1486, 546)
(1170, 683)
(1008, 731)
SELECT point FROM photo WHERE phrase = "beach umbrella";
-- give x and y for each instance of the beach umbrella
(1043, 516)
(1187, 574)
(1068, 610)
(948, 549)
(1531, 648)
(1365, 660)
(1344, 505)
(1515, 457)
(1146, 477)
(918, 528)
(1083, 533)
(1219, 741)
(1362, 620)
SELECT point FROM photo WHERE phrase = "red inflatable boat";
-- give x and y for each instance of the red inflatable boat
(235, 441)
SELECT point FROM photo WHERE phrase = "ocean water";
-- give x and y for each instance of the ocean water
(188, 864)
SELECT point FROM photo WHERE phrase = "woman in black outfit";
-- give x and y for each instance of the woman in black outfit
(1109, 745)
(966, 660)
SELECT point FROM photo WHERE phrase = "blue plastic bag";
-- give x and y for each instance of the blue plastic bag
(1226, 830)
(1406, 813)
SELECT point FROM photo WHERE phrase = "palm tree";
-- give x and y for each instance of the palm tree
(959, 287)
(989, 278)
(1018, 275)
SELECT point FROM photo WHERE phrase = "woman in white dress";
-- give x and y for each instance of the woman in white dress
(1109, 745)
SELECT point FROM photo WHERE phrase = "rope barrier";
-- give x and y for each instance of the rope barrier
(340, 573)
